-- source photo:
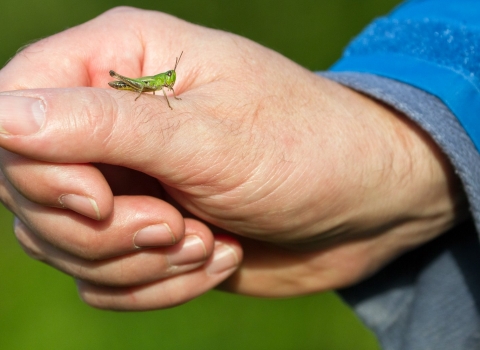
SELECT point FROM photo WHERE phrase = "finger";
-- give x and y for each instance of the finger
(172, 291)
(106, 125)
(83, 55)
(79, 187)
(137, 221)
(141, 267)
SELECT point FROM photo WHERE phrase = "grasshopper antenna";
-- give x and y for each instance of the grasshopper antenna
(178, 60)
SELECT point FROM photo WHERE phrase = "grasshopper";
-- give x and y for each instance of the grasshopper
(148, 83)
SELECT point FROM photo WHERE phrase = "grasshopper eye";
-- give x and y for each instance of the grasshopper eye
(169, 73)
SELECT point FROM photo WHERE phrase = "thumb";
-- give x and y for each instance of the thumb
(80, 125)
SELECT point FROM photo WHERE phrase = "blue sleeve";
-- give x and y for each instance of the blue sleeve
(433, 45)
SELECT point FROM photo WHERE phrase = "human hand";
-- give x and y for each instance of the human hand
(258, 146)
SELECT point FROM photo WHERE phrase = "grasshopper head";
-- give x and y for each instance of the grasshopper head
(171, 76)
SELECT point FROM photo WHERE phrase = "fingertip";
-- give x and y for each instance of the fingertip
(197, 228)
(83, 205)
(81, 188)
(20, 115)
(225, 248)
(226, 257)
(154, 236)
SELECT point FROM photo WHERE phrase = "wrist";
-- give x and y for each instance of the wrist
(383, 174)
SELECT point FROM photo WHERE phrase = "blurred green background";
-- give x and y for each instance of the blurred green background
(39, 307)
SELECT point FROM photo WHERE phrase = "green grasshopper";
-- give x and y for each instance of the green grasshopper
(148, 83)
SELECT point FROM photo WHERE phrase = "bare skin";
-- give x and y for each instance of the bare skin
(315, 186)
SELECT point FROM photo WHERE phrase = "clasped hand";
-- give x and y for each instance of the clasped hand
(265, 179)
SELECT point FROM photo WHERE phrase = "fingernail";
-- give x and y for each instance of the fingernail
(80, 204)
(192, 250)
(224, 258)
(154, 235)
(20, 115)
